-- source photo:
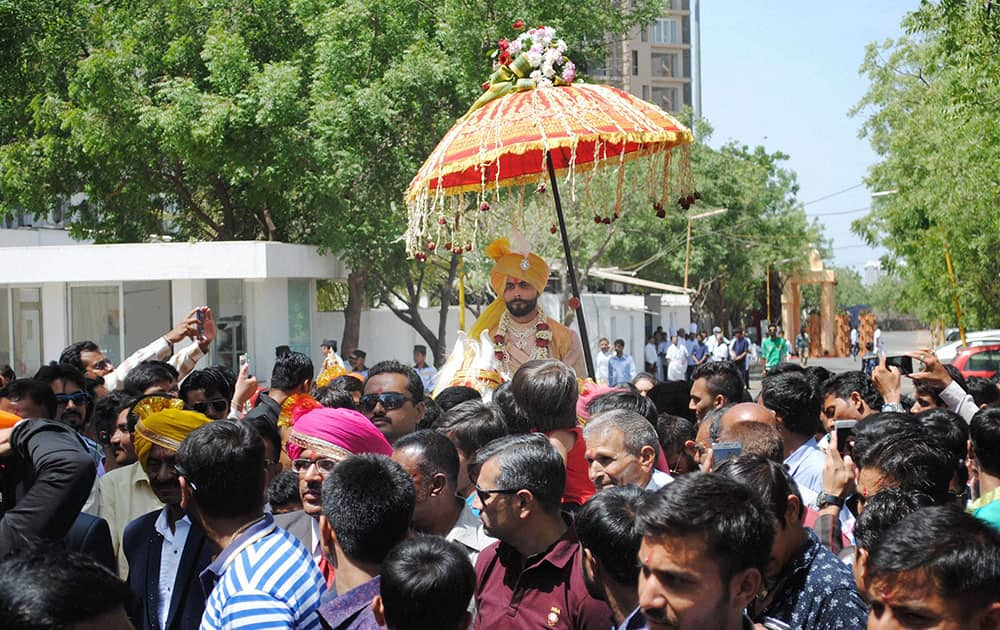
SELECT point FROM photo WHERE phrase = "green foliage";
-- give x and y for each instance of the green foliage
(932, 114)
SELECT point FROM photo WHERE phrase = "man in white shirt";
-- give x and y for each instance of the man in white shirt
(649, 356)
(601, 360)
(677, 360)
(718, 346)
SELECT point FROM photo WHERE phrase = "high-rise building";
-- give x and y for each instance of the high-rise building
(656, 62)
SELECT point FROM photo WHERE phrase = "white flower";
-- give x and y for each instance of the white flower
(560, 45)
(543, 83)
(551, 56)
(536, 75)
(534, 58)
(547, 70)
(514, 48)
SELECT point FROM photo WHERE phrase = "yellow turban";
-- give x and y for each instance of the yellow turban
(166, 428)
(509, 264)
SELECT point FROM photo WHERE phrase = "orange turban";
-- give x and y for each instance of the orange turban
(7, 419)
(509, 264)
(166, 428)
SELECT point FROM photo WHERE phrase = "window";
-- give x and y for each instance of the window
(666, 65)
(5, 356)
(299, 338)
(645, 92)
(26, 310)
(666, 31)
(986, 361)
(225, 298)
(147, 312)
(635, 62)
(95, 315)
(667, 98)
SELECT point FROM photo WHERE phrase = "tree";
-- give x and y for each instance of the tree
(301, 121)
(932, 114)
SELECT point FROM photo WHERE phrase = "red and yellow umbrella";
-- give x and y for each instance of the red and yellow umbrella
(518, 134)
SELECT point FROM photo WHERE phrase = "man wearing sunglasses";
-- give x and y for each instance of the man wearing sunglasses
(73, 405)
(533, 577)
(87, 357)
(208, 393)
(393, 399)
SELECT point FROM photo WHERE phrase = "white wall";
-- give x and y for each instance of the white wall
(266, 304)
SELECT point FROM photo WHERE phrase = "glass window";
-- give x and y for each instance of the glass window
(299, 338)
(635, 62)
(665, 64)
(666, 31)
(26, 304)
(95, 316)
(225, 298)
(666, 97)
(5, 356)
(645, 92)
(147, 312)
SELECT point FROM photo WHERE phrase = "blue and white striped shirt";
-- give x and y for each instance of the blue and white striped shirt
(265, 579)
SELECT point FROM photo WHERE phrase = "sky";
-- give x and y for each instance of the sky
(784, 74)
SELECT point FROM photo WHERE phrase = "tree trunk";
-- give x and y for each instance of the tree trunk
(352, 312)
(440, 349)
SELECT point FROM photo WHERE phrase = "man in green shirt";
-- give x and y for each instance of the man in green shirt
(774, 350)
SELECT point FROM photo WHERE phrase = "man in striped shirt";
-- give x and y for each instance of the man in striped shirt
(263, 577)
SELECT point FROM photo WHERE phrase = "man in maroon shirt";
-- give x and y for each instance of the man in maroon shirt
(533, 577)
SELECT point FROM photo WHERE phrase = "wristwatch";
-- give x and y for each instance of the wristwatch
(825, 499)
(892, 406)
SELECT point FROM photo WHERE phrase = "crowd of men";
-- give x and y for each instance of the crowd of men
(155, 495)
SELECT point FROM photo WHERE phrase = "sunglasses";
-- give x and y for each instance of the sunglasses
(484, 495)
(218, 405)
(388, 400)
(103, 364)
(325, 465)
(79, 398)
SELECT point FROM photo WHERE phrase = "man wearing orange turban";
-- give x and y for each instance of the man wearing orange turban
(518, 326)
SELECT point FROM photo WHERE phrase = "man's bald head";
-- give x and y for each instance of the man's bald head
(747, 412)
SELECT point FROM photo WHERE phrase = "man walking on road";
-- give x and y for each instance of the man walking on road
(774, 350)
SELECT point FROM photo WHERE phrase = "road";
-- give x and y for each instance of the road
(895, 343)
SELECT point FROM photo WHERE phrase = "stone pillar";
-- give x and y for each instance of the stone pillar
(791, 307)
(828, 318)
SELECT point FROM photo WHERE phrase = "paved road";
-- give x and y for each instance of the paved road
(895, 343)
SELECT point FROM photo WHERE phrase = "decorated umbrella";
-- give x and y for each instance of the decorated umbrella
(533, 122)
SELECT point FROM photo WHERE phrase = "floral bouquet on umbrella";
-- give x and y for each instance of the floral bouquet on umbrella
(534, 59)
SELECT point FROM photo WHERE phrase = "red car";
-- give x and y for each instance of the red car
(981, 361)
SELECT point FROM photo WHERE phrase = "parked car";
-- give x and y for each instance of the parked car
(979, 360)
(949, 351)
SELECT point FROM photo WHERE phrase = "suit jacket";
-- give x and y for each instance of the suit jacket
(298, 524)
(142, 546)
(90, 535)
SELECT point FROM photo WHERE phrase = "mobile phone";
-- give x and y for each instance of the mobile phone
(903, 362)
(200, 314)
(721, 451)
(244, 360)
(845, 436)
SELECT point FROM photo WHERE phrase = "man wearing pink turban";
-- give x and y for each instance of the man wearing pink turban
(319, 440)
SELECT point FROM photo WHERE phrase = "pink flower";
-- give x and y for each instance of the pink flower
(569, 72)
(519, 25)
(503, 44)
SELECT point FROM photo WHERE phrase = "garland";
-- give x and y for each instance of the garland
(543, 338)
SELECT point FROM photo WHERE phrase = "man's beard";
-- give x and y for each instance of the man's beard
(521, 308)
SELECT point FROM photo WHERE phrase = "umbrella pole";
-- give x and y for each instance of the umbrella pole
(570, 268)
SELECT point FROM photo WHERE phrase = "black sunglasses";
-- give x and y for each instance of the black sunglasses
(388, 400)
(218, 405)
(484, 495)
(79, 398)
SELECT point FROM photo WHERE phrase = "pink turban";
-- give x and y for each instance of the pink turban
(336, 433)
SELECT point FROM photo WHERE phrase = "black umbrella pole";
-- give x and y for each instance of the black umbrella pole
(570, 268)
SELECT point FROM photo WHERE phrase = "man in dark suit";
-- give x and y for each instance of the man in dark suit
(143, 546)
(91, 536)
(166, 549)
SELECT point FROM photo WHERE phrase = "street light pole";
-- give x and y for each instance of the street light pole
(687, 255)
